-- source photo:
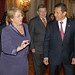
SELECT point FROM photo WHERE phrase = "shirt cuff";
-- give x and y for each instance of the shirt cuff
(14, 52)
(46, 58)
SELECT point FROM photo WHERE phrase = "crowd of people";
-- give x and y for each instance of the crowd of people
(51, 40)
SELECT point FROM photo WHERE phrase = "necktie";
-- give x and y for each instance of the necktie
(62, 33)
(44, 22)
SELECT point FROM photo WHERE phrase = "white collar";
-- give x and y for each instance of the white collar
(64, 20)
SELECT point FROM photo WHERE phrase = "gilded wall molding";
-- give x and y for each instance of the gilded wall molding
(34, 4)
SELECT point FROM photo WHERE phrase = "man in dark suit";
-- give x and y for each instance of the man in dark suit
(59, 43)
(37, 27)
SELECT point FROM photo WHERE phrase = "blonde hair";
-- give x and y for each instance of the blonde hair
(11, 12)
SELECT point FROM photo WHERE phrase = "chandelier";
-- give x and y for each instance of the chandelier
(24, 4)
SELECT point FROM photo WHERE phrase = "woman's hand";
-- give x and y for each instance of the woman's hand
(23, 45)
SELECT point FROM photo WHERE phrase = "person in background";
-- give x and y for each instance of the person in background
(4, 21)
(51, 15)
(59, 43)
(37, 27)
(15, 41)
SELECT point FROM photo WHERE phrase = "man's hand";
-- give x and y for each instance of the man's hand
(33, 50)
(73, 61)
(45, 61)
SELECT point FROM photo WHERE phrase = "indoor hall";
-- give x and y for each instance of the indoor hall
(30, 10)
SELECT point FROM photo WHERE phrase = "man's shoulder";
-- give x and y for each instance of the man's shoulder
(48, 18)
(71, 21)
(53, 22)
(34, 18)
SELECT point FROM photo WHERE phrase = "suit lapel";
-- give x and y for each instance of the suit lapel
(67, 29)
(40, 23)
(58, 31)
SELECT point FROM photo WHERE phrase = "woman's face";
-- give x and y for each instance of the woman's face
(17, 19)
(52, 17)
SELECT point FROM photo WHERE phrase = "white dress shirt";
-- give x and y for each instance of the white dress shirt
(44, 18)
(63, 25)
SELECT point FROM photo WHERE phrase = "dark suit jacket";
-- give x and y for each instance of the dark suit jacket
(55, 49)
(37, 32)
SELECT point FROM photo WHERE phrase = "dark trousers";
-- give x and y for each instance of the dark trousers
(68, 69)
(38, 63)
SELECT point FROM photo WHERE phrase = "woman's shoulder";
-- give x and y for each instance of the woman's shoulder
(6, 28)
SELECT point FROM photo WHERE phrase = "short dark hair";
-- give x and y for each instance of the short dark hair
(41, 6)
(51, 14)
(63, 7)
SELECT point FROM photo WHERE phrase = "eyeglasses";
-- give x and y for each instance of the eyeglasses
(19, 16)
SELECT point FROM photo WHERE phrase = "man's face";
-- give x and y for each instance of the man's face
(42, 12)
(59, 14)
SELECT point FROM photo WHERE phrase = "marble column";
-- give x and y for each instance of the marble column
(7, 4)
(67, 8)
(51, 4)
(10, 3)
(32, 9)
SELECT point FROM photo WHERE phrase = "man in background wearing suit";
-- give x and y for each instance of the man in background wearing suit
(37, 27)
(59, 43)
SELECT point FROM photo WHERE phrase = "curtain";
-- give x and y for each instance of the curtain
(2, 8)
(45, 2)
